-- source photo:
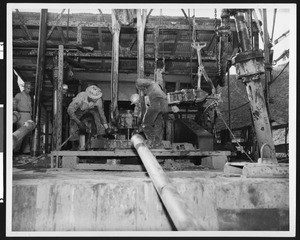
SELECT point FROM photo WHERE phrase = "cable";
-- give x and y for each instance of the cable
(220, 114)
(279, 73)
(236, 107)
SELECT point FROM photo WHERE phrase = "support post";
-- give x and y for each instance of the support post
(268, 66)
(141, 23)
(223, 32)
(180, 214)
(249, 67)
(35, 145)
(47, 132)
(116, 27)
(57, 99)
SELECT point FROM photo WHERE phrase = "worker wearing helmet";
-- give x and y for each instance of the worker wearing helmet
(22, 104)
(135, 99)
(153, 119)
(88, 101)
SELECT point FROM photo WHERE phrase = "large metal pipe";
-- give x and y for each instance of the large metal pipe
(249, 66)
(21, 132)
(181, 216)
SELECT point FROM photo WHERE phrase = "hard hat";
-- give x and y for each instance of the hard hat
(65, 87)
(134, 98)
(93, 92)
(175, 109)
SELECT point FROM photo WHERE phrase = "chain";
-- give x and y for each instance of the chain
(217, 44)
(194, 30)
(215, 19)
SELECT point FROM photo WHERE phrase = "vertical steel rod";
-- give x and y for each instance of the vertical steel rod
(229, 108)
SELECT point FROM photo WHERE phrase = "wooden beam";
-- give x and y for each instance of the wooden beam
(116, 29)
(57, 99)
(87, 21)
(188, 21)
(100, 39)
(56, 22)
(156, 44)
(132, 153)
(108, 55)
(105, 22)
(49, 43)
(141, 21)
(61, 32)
(23, 25)
(178, 35)
(79, 34)
(39, 80)
(132, 43)
(268, 65)
(135, 39)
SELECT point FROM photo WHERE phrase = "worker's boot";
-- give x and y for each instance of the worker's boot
(75, 146)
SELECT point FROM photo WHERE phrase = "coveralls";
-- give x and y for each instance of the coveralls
(155, 113)
(79, 107)
(23, 106)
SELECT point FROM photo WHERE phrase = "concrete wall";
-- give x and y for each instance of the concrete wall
(101, 201)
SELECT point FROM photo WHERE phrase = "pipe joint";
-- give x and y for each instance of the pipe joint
(249, 63)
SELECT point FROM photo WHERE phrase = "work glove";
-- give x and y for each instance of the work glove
(108, 131)
(137, 130)
(82, 127)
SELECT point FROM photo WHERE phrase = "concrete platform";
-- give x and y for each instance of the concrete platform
(127, 201)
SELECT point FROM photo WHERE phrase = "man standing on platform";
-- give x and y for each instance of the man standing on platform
(153, 119)
(88, 101)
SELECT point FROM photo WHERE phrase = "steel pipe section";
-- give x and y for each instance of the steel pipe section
(21, 132)
(181, 216)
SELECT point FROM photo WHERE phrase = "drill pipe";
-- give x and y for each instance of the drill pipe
(21, 132)
(181, 216)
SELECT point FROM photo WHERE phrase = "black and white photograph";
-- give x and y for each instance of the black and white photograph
(150, 120)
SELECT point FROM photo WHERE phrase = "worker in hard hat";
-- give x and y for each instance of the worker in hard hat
(153, 120)
(135, 99)
(88, 101)
(22, 104)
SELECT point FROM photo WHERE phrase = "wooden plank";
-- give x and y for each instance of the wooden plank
(133, 153)
(111, 167)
